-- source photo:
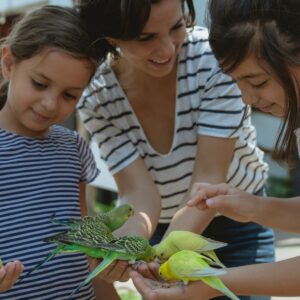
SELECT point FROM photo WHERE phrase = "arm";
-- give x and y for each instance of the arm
(210, 167)
(278, 213)
(82, 200)
(271, 279)
(136, 186)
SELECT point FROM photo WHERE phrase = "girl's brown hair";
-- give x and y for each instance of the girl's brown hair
(269, 29)
(53, 27)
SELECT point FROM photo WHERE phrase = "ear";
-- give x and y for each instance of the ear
(7, 61)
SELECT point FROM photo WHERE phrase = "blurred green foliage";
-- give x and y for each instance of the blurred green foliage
(126, 294)
(279, 187)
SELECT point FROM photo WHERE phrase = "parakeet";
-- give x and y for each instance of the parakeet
(1, 263)
(130, 248)
(113, 219)
(84, 233)
(188, 266)
(186, 240)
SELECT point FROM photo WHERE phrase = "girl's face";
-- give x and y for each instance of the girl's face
(43, 90)
(259, 88)
(156, 50)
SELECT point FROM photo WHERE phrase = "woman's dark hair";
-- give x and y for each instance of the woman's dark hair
(52, 27)
(121, 19)
(269, 29)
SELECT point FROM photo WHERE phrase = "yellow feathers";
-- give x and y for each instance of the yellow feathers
(186, 240)
(188, 266)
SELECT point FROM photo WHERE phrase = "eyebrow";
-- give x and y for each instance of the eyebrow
(153, 33)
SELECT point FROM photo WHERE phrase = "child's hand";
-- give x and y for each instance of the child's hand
(9, 274)
(116, 271)
(228, 201)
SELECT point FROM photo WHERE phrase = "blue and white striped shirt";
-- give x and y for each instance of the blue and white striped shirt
(208, 103)
(39, 178)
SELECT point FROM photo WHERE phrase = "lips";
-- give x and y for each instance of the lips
(160, 61)
(40, 116)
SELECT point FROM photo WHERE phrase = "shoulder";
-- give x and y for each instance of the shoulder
(197, 40)
(102, 88)
(196, 51)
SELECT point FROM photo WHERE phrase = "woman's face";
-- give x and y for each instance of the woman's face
(156, 50)
(259, 88)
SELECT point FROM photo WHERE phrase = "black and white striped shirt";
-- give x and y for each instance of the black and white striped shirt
(208, 103)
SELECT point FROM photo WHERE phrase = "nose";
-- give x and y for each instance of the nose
(250, 99)
(50, 101)
(167, 46)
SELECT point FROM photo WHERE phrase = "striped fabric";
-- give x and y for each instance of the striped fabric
(39, 178)
(208, 103)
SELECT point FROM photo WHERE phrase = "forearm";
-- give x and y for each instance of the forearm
(271, 279)
(276, 279)
(282, 214)
(191, 219)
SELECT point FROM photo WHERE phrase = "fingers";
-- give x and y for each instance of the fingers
(117, 271)
(149, 270)
(201, 192)
(9, 274)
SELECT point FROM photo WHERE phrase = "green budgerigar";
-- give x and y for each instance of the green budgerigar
(84, 233)
(113, 219)
(130, 248)
(189, 266)
(178, 240)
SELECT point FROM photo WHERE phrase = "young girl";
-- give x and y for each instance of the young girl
(47, 60)
(164, 117)
(258, 44)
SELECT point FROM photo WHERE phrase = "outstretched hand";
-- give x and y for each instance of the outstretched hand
(9, 274)
(228, 201)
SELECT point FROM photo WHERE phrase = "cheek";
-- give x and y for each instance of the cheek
(276, 95)
(138, 52)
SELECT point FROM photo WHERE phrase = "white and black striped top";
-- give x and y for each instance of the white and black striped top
(39, 178)
(208, 103)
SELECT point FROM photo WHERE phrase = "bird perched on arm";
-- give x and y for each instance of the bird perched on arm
(189, 266)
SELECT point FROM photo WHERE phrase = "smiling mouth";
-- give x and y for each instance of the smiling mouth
(160, 61)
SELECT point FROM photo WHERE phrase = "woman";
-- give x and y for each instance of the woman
(160, 110)
(258, 44)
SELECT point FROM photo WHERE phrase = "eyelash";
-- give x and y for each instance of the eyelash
(257, 86)
(38, 85)
(148, 38)
(69, 96)
(41, 86)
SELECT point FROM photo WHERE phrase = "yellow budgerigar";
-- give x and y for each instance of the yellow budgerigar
(188, 266)
(186, 240)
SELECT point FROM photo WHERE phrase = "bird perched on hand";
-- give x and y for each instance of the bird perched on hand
(85, 233)
(185, 240)
(189, 266)
(130, 248)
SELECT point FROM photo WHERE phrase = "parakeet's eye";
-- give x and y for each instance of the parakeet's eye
(162, 254)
